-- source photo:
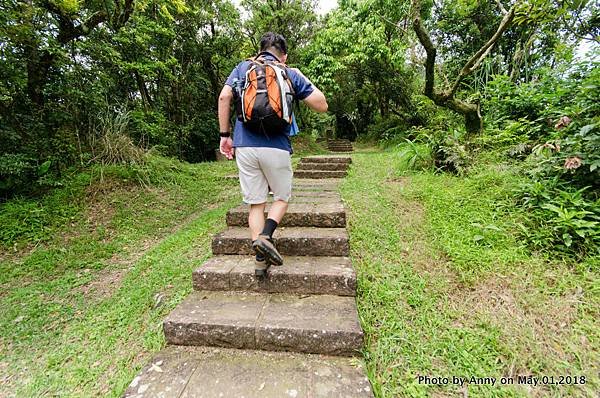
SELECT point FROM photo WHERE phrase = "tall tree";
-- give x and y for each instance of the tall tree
(447, 98)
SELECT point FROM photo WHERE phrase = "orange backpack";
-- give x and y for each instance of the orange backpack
(264, 103)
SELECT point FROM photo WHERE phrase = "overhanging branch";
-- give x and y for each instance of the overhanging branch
(478, 57)
(469, 110)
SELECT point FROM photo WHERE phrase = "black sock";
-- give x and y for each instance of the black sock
(270, 226)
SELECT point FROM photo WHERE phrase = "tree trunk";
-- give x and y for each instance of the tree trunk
(38, 67)
(470, 111)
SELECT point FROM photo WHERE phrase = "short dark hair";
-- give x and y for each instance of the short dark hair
(273, 40)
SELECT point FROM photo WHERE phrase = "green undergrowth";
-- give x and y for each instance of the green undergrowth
(305, 145)
(446, 288)
(89, 271)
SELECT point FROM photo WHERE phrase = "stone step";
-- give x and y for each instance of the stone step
(315, 191)
(322, 181)
(322, 215)
(301, 275)
(322, 166)
(328, 183)
(319, 174)
(323, 188)
(290, 241)
(203, 372)
(341, 150)
(327, 159)
(319, 324)
(317, 198)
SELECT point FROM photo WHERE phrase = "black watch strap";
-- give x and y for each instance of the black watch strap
(224, 134)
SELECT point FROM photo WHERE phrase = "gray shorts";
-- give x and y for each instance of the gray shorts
(262, 168)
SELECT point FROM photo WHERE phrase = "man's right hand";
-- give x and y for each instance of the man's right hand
(226, 147)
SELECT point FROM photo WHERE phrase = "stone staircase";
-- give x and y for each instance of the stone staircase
(289, 335)
(321, 168)
(339, 145)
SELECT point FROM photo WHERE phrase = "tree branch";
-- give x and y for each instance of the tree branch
(478, 57)
(123, 15)
(391, 23)
(470, 110)
(430, 50)
(67, 30)
(501, 7)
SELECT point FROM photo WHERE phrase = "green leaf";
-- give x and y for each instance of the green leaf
(44, 167)
(586, 129)
(567, 239)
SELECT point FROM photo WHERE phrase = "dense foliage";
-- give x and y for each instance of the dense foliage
(85, 82)
(75, 73)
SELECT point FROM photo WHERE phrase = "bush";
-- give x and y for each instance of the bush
(563, 197)
(560, 218)
(15, 171)
(111, 144)
(415, 156)
(388, 132)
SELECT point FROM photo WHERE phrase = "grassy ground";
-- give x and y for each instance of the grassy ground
(84, 293)
(88, 273)
(445, 288)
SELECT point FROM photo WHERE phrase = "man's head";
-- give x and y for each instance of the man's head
(275, 44)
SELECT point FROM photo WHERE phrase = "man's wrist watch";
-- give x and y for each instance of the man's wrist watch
(225, 134)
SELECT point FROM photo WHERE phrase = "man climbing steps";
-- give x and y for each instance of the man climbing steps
(264, 89)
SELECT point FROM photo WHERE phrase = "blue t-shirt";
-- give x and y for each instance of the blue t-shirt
(242, 137)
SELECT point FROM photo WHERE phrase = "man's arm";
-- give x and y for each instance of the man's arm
(315, 100)
(224, 110)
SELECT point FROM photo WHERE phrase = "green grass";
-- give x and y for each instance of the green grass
(82, 301)
(447, 289)
(445, 286)
(305, 145)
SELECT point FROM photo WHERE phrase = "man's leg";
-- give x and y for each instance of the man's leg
(255, 191)
(256, 219)
(277, 168)
(277, 210)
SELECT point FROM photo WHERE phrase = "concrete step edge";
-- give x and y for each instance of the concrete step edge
(298, 275)
(319, 324)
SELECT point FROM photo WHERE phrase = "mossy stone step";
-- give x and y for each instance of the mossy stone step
(322, 215)
(320, 174)
(322, 166)
(206, 372)
(290, 241)
(327, 159)
(308, 275)
(318, 324)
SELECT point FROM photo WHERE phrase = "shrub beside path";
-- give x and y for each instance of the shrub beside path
(292, 334)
